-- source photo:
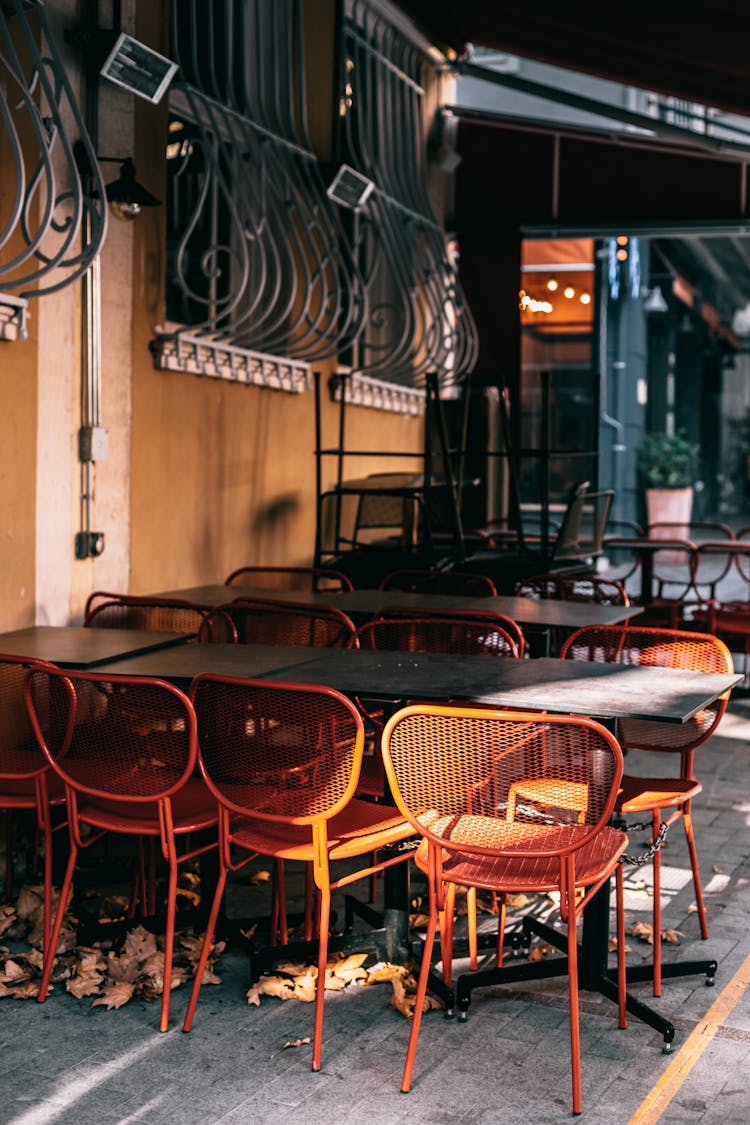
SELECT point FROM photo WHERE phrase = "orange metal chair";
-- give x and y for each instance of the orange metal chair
(459, 632)
(125, 750)
(283, 762)
(26, 779)
(663, 648)
(451, 771)
(263, 621)
(440, 582)
(311, 578)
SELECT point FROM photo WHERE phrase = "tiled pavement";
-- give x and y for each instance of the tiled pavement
(67, 1062)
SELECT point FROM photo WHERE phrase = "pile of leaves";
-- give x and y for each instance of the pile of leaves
(111, 976)
(297, 981)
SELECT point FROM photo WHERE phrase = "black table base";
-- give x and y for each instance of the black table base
(593, 975)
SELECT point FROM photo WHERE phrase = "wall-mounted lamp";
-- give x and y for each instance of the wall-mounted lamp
(126, 196)
(655, 302)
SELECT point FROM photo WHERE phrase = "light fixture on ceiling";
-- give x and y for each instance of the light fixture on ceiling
(655, 301)
(350, 188)
(138, 68)
(552, 284)
(126, 197)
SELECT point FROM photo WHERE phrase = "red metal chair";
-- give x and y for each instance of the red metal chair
(663, 648)
(475, 622)
(283, 762)
(440, 582)
(313, 578)
(26, 778)
(267, 622)
(125, 750)
(157, 615)
(452, 771)
(574, 588)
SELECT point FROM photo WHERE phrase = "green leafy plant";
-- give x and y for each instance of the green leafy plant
(667, 461)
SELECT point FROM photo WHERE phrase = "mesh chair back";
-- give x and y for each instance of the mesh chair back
(164, 615)
(470, 623)
(660, 648)
(289, 578)
(20, 755)
(125, 739)
(262, 622)
(440, 582)
(476, 636)
(459, 774)
(601, 591)
(277, 752)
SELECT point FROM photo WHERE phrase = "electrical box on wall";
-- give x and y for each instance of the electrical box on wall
(93, 443)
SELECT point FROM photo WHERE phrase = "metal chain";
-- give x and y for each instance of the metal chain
(651, 850)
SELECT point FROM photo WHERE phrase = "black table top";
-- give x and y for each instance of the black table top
(72, 646)
(565, 686)
(182, 663)
(606, 691)
(543, 613)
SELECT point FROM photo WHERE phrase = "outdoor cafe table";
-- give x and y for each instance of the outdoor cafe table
(72, 646)
(537, 616)
(603, 691)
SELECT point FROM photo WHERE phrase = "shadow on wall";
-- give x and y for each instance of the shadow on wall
(272, 531)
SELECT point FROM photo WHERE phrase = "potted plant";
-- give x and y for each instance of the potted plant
(666, 469)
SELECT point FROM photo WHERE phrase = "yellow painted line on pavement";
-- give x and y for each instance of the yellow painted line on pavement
(659, 1097)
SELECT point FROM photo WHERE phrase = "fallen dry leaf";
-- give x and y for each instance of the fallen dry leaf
(612, 946)
(295, 1043)
(672, 936)
(114, 995)
(644, 931)
(717, 870)
(13, 973)
(259, 877)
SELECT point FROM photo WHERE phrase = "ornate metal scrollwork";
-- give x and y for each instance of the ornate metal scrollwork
(258, 258)
(41, 249)
(419, 322)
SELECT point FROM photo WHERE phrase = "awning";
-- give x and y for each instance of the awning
(687, 48)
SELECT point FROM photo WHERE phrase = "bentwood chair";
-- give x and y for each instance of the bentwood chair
(26, 779)
(312, 578)
(283, 763)
(125, 750)
(452, 772)
(263, 621)
(440, 582)
(661, 648)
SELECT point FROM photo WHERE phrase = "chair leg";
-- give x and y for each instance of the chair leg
(416, 1020)
(169, 944)
(205, 948)
(447, 921)
(657, 909)
(687, 823)
(502, 909)
(324, 898)
(575, 1032)
(622, 1012)
(49, 953)
(471, 918)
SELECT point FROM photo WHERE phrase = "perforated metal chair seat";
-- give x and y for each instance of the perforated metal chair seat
(360, 825)
(643, 794)
(193, 808)
(594, 861)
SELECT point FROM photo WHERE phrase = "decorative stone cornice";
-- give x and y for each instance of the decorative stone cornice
(12, 317)
(199, 355)
(363, 390)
